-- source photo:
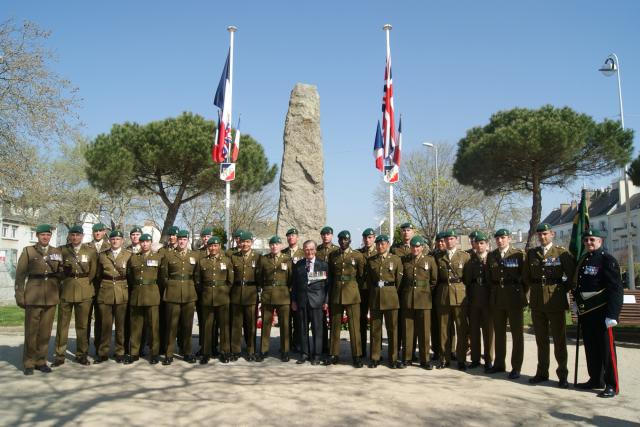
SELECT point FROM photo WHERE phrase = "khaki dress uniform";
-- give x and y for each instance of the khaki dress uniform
(451, 302)
(37, 291)
(364, 300)
(549, 276)
(127, 320)
(274, 279)
(402, 249)
(384, 276)
(93, 310)
(508, 300)
(346, 273)
(214, 276)
(244, 299)
(177, 275)
(76, 294)
(296, 254)
(164, 325)
(419, 278)
(322, 253)
(112, 299)
(144, 300)
(480, 313)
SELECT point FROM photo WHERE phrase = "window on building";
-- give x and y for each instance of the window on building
(5, 230)
(14, 231)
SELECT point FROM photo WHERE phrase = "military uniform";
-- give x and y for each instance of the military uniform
(420, 277)
(112, 299)
(214, 276)
(548, 273)
(364, 300)
(402, 249)
(144, 301)
(134, 249)
(346, 273)
(37, 291)
(163, 323)
(76, 294)
(99, 246)
(451, 303)
(384, 276)
(274, 277)
(244, 298)
(322, 253)
(480, 313)
(177, 275)
(508, 299)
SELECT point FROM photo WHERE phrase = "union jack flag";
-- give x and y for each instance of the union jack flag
(388, 123)
(222, 100)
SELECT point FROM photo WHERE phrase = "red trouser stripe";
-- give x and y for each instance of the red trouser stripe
(613, 359)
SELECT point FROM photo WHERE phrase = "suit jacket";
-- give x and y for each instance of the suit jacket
(315, 293)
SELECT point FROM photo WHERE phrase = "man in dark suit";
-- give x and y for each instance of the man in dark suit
(309, 297)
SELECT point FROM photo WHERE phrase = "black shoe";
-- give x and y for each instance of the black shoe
(608, 391)
(28, 371)
(374, 363)
(315, 362)
(167, 361)
(131, 359)
(251, 357)
(514, 375)
(487, 368)
(474, 365)
(204, 360)
(190, 359)
(537, 379)
(83, 360)
(302, 360)
(441, 365)
(223, 357)
(260, 357)
(495, 370)
(234, 357)
(563, 383)
(58, 362)
(588, 385)
(154, 360)
(100, 359)
(331, 360)
(454, 357)
(121, 359)
(462, 366)
(45, 369)
(199, 353)
(426, 365)
(401, 365)
(357, 362)
(285, 357)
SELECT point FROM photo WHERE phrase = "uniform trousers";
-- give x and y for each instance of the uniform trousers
(244, 323)
(458, 315)
(108, 314)
(141, 317)
(214, 318)
(416, 322)
(391, 324)
(38, 323)
(283, 311)
(481, 331)
(516, 324)
(600, 348)
(179, 323)
(554, 324)
(353, 314)
(81, 312)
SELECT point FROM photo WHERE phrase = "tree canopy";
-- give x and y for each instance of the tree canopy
(525, 150)
(171, 158)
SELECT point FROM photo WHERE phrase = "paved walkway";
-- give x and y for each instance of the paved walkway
(276, 393)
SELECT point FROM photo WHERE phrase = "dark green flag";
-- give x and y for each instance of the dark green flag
(580, 225)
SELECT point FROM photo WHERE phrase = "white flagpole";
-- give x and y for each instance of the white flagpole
(387, 29)
(227, 197)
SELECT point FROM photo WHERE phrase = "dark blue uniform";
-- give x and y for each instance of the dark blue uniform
(599, 270)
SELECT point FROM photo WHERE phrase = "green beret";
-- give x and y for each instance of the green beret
(502, 232)
(406, 225)
(135, 229)
(182, 233)
(173, 230)
(237, 233)
(207, 231)
(274, 240)
(417, 241)
(473, 234)
(292, 231)
(440, 235)
(145, 237)
(246, 235)
(480, 236)
(368, 232)
(98, 227)
(592, 232)
(43, 228)
(326, 230)
(213, 240)
(449, 233)
(76, 229)
(115, 233)
(382, 238)
(344, 234)
(544, 226)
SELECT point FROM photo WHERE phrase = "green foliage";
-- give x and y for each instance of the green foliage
(11, 315)
(634, 171)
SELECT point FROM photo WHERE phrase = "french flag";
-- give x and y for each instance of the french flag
(378, 149)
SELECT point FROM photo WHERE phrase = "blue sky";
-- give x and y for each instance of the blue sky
(454, 64)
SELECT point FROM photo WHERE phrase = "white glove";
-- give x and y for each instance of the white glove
(610, 322)
(574, 308)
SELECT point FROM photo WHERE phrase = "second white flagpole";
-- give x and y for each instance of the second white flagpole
(227, 198)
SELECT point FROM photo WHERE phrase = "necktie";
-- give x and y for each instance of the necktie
(308, 265)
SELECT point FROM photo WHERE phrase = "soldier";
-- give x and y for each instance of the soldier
(404, 247)
(451, 300)
(112, 297)
(79, 265)
(205, 235)
(36, 291)
(143, 273)
(100, 244)
(274, 280)
(177, 274)
(244, 297)
(548, 272)
(439, 247)
(478, 295)
(346, 273)
(172, 243)
(134, 248)
(473, 239)
(236, 243)
(214, 276)
(384, 275)
(420, 276)
(599, 297)
(296, 254)
(322, 253)
(367, 250)
(134, 235)
(508, 300)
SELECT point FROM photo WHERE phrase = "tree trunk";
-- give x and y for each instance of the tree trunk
(172, 213)
(536, 210)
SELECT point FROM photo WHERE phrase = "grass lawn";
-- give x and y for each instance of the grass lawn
(11, 315)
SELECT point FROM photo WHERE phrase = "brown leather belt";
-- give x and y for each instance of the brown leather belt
(114, 278)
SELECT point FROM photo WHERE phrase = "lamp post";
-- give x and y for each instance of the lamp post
(435, 148)
(610, 67)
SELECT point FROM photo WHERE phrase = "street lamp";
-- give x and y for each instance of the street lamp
(610, 67)
(435, 148)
